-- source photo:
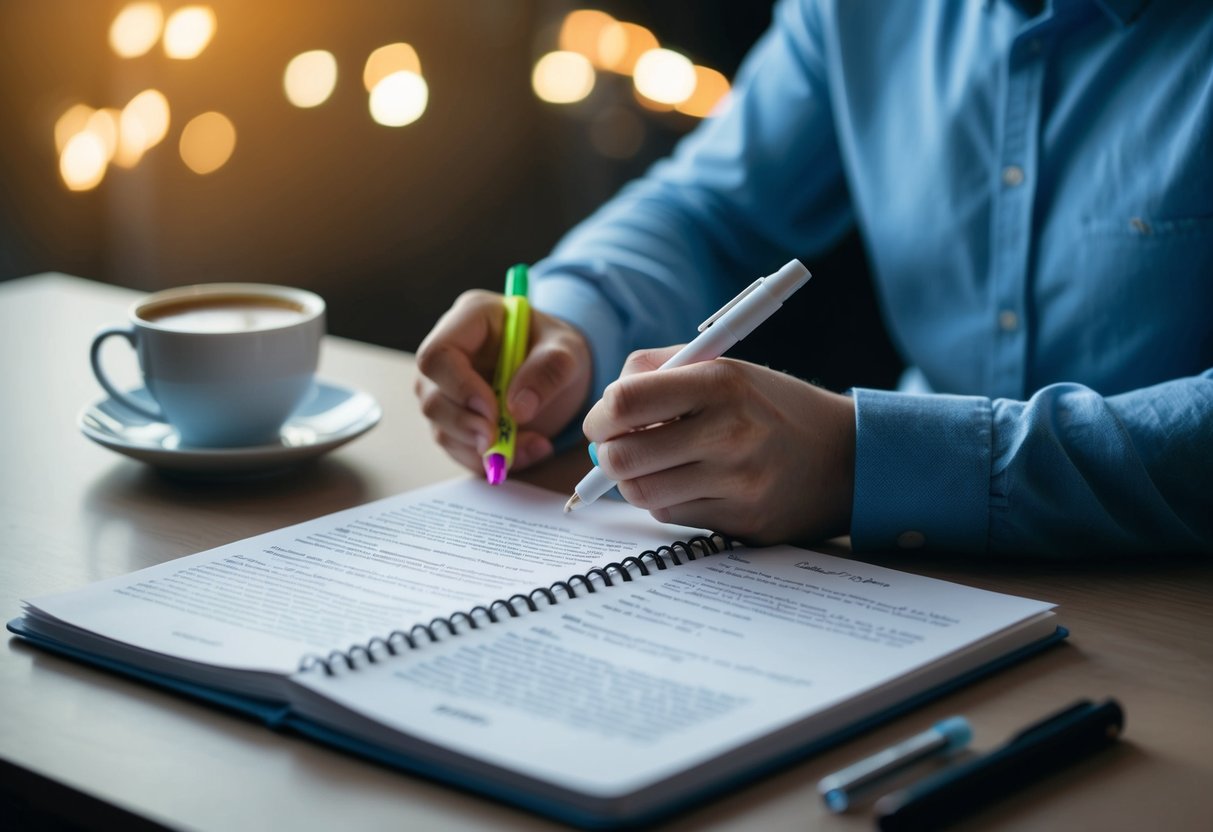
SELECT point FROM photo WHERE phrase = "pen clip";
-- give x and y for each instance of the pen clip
(716, 315)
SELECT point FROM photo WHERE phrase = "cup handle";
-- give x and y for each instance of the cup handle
(94, 356)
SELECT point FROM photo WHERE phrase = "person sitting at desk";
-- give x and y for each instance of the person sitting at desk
(1034, 186)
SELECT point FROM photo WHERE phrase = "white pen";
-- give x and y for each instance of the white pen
(735, 320)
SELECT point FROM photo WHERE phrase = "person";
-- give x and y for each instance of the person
(1034, 187)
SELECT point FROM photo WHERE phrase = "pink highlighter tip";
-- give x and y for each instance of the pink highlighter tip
(494, 469)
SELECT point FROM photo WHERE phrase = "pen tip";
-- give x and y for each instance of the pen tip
(494, 469)
(836, 800)
(573, 503)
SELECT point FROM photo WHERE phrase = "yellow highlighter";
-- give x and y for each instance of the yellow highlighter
(500, 455)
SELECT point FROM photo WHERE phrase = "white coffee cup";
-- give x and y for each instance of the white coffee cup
(226, 363)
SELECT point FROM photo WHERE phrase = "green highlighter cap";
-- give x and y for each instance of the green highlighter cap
(516, 280)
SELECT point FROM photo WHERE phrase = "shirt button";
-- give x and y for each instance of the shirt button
(911, 540)
(1012, 175)
(1008, 321)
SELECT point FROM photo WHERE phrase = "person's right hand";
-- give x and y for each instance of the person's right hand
(457, 359)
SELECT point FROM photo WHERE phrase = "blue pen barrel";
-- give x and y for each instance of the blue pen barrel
(1035, 753)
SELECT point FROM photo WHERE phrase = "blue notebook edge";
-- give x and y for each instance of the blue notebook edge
(277, 716)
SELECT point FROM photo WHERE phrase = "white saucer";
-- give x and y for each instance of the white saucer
(330, 417)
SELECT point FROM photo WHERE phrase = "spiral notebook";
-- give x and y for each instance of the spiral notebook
(598, 667)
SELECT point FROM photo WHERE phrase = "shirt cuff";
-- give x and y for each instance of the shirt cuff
(922, 471)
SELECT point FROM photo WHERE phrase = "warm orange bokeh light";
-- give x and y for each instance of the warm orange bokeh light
(395, 57)
(103, 124)
(74, 120)
(664, 76)
(310, 78)
(650, 104)
(136, 29)
(399, 99)
(711, 87)
(563, 77)
(207, 142)
(620, 45)
(188, 31)
(581, 32)
(82, 163)
(142, 125)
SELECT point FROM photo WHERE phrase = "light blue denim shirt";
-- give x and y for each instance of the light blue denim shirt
(1036, 196)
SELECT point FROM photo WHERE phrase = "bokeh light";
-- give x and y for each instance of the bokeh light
(207, 142)
(82, 163)
(188, 31)
(563, 77)
(399, 99)
(136, 29)
(589, 41)
(664, 76)
(711, 87)
(395, 57)
(310, 78)
(103, 124)
(581, 32)
(620, 46)
(649, 104)
(142, 125)
(74, 120)
(132, 143)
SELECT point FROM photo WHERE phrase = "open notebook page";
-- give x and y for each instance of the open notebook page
(265, 602)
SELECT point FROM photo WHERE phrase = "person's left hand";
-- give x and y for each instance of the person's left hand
(730, 446)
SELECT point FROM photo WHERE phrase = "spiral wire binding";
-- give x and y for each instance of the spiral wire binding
(398, 640)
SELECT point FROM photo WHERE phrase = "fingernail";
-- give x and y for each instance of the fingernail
(479, 405)
(523, 405)
(483, 440)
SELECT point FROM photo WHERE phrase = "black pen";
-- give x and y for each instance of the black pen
(1033, 753)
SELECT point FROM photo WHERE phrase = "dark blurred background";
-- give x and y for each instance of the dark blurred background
(388, 223)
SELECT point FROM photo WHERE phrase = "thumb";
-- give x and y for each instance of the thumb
(644, 361)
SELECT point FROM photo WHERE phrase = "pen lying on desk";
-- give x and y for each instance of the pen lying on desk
(1033, 753)
(839, 789)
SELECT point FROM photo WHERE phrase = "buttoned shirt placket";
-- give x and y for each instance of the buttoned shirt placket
(1014, 188)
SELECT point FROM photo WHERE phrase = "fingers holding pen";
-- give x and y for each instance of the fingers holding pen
(663, 436)
(550, 367)
(458, 354)
(645, 361)
(456, 363)
(553, 382)
(750, 452)
(452, 387)
(643, 399)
